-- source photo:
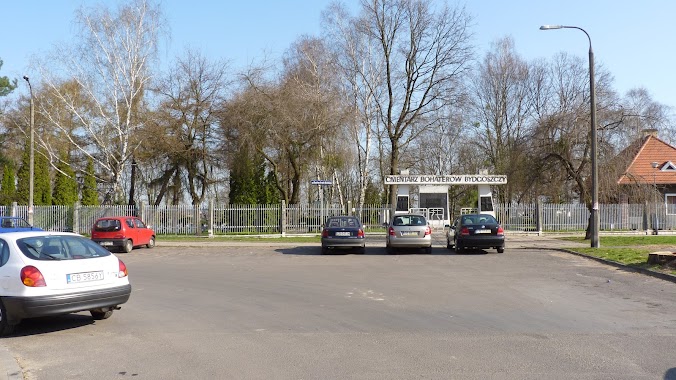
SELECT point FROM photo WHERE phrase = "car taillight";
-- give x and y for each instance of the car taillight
(501, 231)
(391, 231)
(31, 276)
(123, 269)
(360, 233)
(464, 231)
(428, 231)
(325, 233)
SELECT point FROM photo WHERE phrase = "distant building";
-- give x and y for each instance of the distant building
(652, 165)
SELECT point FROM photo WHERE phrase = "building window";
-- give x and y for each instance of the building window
(670, 199)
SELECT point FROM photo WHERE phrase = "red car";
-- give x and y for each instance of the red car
(122, 232)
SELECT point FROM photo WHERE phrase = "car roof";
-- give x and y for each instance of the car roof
(33, 233)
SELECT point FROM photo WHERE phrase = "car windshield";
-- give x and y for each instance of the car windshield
(342, 222)
(478, 219)
(60, 247)
(409, 220)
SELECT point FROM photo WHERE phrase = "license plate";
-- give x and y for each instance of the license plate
(409, 233)
(105, 243)
(482, 231)
(74, 278)
(343, 233)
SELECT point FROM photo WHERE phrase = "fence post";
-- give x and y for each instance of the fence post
(282, 218)
(197, 220)
(538, 216)
(76, 217)
(645, 217)
(211, 218)
(142, 212)
(349, 208)
(14, 207)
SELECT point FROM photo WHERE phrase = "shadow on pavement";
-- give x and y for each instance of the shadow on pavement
(45, 325)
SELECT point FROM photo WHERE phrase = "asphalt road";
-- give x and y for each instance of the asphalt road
(285, 312)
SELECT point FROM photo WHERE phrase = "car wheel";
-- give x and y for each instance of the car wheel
(99, 314)
(361, 250)
(428, 250)
(389, 250)
(151, 243)
(128, 245)
(501, 249)
(6, 327)
(324, 250)
(458, 248)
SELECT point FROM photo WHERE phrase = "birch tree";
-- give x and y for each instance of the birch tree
(361, 76)
(111, 65)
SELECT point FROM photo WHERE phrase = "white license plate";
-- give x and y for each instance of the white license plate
(74, 278)
(482, 232)
(106, 243)
(409, 233)
(343, 233)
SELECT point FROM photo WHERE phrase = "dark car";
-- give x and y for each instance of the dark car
(122, 232)
(15, 224)
(478, 231)
(343, 232)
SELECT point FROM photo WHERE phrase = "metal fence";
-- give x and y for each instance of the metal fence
(213, 219)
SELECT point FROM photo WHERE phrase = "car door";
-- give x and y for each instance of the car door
(144, 233)
(131, 230)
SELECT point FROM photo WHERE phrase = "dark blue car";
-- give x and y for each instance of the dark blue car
(15, 224)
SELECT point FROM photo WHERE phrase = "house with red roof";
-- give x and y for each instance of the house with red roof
(653, 166)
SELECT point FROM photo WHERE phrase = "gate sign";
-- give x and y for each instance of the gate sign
(321, 182)
(462, 179)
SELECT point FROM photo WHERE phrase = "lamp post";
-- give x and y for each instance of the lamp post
(656, 222)
(31, 166)
(595, 223)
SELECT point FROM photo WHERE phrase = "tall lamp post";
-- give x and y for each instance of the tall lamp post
(595, 223)
(31, 166)
(656, 221)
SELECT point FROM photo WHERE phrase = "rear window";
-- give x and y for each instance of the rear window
(60, 247)
(478, 219)
(106, 225)
(410, 220)
(342, 222)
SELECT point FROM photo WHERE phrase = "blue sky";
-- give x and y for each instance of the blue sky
(634, 40)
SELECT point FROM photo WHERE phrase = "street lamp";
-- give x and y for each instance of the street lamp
(656, 224)
(595, 225)
(31, 159)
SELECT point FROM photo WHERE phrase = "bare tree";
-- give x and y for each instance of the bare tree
(111, 66)
(185, 127)
(289, 119)
(501, 111)
(361, 76)
(423, 54)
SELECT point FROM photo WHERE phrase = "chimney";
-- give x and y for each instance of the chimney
(649, 132)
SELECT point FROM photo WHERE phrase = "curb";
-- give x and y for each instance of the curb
(648, 272)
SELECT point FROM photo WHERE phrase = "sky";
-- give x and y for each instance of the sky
(633, 40)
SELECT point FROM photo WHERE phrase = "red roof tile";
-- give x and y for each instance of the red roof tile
(640, 169)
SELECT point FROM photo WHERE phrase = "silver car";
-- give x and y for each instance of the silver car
(408, 231)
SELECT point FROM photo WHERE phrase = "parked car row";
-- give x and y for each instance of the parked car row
(46, 273)
(413, 231)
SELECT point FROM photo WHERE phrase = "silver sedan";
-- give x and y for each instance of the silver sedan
(409, 231)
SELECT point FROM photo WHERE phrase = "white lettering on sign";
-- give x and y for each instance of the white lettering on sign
(445, 179)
